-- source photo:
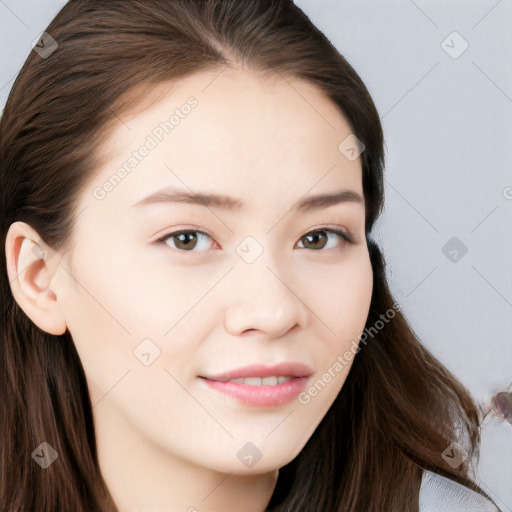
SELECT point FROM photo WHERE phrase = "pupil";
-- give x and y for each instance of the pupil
(314, 237)
(186, 244)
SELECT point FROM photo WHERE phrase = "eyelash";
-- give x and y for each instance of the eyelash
(342, 234)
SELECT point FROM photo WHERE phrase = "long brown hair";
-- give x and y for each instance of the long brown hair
(399, 408)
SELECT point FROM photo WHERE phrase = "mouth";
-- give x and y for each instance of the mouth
(257, 394)
(260, 385)
(286, 370)
(258, 381)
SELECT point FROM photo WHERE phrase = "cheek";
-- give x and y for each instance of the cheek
(345, 299)
(119, 309)
(129, 295)
(345, 304)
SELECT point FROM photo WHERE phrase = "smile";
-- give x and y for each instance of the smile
(259, 381)
(257, 391)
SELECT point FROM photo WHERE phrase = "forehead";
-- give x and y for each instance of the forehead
(242, 133)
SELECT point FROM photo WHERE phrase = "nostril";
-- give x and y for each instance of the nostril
(250, 332)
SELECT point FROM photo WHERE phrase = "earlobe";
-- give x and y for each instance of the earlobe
(31, 268)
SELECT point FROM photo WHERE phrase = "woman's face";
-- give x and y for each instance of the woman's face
(255, 280)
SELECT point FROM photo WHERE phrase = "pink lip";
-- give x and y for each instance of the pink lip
(262, 396)
(260, 370)
(259, 396)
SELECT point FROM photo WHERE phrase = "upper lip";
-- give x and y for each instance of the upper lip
(287, 369)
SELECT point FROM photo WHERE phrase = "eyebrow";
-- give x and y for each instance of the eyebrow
(307, 204)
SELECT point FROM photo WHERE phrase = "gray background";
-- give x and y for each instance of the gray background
(447, 119)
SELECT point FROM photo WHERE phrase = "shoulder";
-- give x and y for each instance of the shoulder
(440, 494)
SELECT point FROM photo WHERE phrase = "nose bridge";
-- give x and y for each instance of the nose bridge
(263, 296)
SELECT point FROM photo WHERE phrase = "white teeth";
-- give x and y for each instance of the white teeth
(252, 381)
(258, 381)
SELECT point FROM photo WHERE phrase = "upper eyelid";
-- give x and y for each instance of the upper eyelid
(334, 222)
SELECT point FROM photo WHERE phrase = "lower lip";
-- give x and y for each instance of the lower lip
(260, 396)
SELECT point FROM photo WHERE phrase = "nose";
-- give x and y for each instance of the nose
(264, 302)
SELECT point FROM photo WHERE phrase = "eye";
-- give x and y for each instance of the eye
(318, 238)
(190, 239)
(186, 240)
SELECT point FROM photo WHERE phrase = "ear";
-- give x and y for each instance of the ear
(31, 268)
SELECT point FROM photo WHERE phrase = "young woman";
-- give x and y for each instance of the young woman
(195, 315)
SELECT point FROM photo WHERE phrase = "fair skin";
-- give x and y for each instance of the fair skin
(166, 441)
